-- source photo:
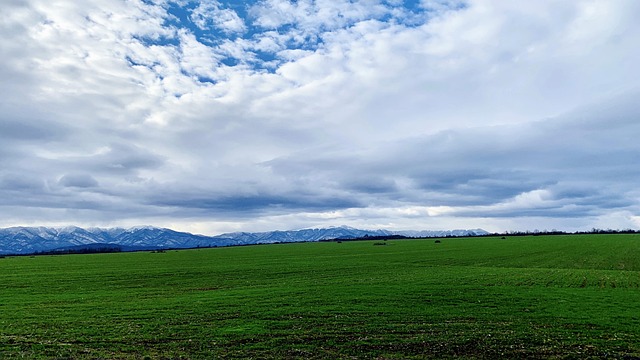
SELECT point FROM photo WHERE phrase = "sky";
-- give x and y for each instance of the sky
(217, 116)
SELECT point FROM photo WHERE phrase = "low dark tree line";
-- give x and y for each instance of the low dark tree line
(84, 250)
(559, 232)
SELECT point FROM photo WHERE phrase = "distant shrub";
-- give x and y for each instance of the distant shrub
(379, 243)
(438, 241)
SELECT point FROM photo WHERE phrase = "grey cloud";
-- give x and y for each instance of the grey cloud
(543, 212)
(24, 182)
(562, 203)
(116, 159)
(127, 158)
(12, 130)
(482, 189)
(371, 184)
(247, 206)
(78, 181)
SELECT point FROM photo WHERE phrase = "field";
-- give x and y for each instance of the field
(575, 296)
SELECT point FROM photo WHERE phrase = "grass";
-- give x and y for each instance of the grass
(521, 297)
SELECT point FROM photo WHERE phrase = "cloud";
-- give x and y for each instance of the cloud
(559, 167)
(78, 181)
(284, 114)
(210, 13)
(17, 183)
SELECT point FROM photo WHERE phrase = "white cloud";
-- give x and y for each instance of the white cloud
(210, 12)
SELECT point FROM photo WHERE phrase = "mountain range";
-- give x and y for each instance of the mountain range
(29, 240)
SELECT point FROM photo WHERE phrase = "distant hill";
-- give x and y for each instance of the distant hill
(30, 240)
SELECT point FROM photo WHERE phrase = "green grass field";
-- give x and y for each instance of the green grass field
(520, 297)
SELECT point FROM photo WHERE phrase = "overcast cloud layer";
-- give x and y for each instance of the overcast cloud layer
(212, 116)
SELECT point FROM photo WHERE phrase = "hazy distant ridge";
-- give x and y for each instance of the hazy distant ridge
(27, 240)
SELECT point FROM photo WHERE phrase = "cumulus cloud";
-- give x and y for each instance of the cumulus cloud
(212, 116)
(210, 13)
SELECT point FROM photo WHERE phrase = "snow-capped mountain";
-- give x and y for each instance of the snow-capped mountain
(27, 240)
(343, 232)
